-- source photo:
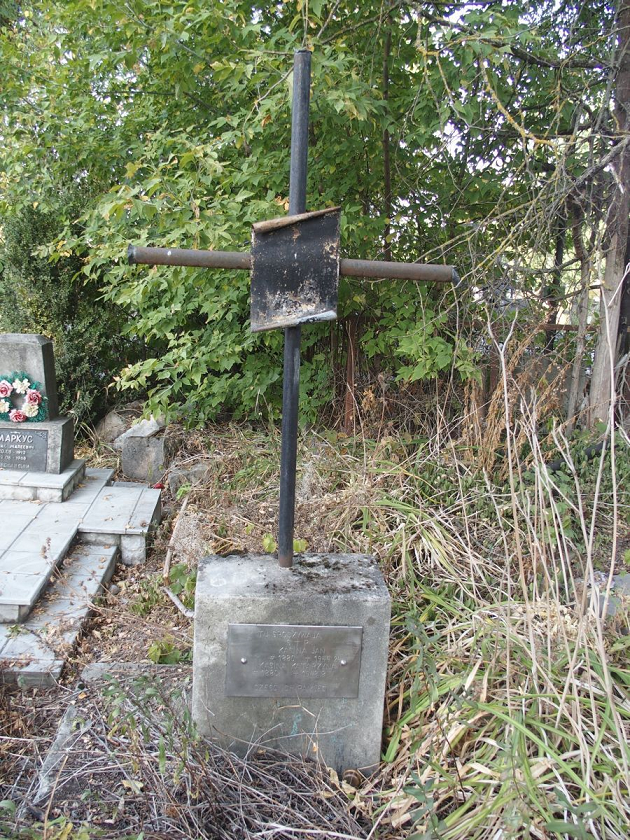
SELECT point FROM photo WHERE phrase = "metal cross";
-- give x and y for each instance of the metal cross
(293, 285)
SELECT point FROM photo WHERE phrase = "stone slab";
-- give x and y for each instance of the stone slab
(123, 516)
(46, 447)
(68, 735)
(110, 427)
(12, 527)
(27, 565)
(194, 473)
(147, 512)
(326, 590)
(21, 581)
(88, 489)
(123, 510)
(111, 510)
(42, 486)
(32, 354)
(35, 652)
(147, 458)
(142, 429)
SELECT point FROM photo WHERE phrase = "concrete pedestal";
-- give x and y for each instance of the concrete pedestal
(343, 591)
(46, 447)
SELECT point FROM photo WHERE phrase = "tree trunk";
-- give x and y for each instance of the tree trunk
(585, 277)
(602, 382)
(553, 290)
(623, 342)
(387, 170)
(351, 361)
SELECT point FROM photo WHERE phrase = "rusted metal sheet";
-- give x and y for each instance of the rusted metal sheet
(295, 270)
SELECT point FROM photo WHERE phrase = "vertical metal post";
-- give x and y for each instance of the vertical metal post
(291, 383)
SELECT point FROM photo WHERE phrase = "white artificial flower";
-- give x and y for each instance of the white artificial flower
(21, 386)
(5, 407)
(30, 410)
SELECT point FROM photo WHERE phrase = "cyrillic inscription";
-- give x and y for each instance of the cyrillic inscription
(293, 660)
(23, 449)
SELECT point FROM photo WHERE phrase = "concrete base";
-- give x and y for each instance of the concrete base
(21, 486)
(342, 590)
(37, 447)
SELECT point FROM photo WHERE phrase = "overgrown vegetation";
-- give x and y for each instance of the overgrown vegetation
(508, 700)
(488, 135)
(56, 299)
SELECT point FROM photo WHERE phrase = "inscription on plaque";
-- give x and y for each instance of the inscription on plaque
(23, 449)
(293, 660)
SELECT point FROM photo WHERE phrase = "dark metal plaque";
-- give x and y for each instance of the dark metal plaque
(295, 270)
(23, 449)
(293, 660)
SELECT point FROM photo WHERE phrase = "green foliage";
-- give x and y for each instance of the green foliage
(586, 481)
(174, 121)
(149, 596)
(56, 299)
(166, 652)
(269, 544)
(182, 583)
(183, 491)
(58, 828)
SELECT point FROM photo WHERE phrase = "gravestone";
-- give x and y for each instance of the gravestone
(33, 437)
(293, 656)
(62, 527)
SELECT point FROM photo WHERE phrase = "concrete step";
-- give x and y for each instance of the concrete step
(41, 486)
(35, 539)
(35, 536)
(87, 491)
(124, 515)
(34, 653)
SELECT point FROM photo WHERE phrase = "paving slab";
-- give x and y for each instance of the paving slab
(89, 487)
(28, 560)
(126, 515)
(8, 477)
(111, 510)
(47, 487)
(10, 508)
(12, 527)
(34, 652)
(23, 577)
(147, 512)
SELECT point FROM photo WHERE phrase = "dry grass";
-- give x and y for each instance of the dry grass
(507, 712)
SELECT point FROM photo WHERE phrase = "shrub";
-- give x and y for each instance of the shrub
(54, 298)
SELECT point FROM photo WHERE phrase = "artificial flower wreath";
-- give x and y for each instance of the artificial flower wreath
(34, 405)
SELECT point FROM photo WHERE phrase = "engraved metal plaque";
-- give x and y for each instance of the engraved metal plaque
(293, 660)
(23, 449)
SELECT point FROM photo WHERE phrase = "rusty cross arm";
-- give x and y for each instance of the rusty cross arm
(243, 260)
